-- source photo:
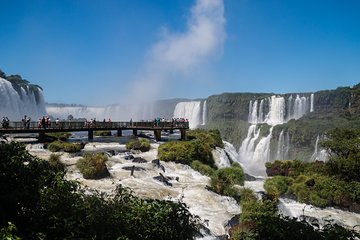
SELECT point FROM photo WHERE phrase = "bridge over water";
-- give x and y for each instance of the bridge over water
(90, 127)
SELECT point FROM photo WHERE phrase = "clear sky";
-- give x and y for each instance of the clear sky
(102, 52)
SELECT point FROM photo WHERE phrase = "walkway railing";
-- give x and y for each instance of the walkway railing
(101, 125)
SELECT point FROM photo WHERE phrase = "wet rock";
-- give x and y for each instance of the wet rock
(249, 177)
(129, 157)
(310, 182)
(156, 163)
(163, 179)
(139, 160)
(132, 168)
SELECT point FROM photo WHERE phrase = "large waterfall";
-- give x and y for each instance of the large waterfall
(254, 151)
(19, 100)
(191, 111)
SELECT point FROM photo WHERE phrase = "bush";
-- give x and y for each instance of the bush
(138, 144)
(186, 152)
(224, 179)
(277, 186)
(92, 166)
(58, 146)
(211, 137)
(203, 168)
(104, 133)
(62, 136)
(54, 160)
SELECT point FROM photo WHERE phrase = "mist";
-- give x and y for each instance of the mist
(177, 54)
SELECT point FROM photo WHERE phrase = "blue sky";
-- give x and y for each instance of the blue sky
(103, 52)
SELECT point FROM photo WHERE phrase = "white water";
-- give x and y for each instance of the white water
(220, 158)
(312, 102)
(253, 153)
(204, 113)
(282, 152)
(321, 155)
(191, 111)
(320, 216)
(15, 105)
(190, 188)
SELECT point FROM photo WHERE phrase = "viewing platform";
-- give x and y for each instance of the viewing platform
(90, 127)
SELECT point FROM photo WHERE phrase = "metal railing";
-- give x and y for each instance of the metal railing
(101, 125)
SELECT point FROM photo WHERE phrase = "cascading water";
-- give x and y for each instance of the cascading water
(254, 152)
(312, 102)
(24, 100)
(189, 110)
(204, 113)
(321, 155)
(282, 152)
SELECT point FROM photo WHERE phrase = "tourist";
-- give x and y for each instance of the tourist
(43, 122)
(24, 122)
(57, 122)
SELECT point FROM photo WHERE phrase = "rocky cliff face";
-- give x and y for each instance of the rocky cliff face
(291, 122)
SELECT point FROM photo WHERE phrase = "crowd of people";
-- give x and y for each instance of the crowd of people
(5, 122)
(46, 122)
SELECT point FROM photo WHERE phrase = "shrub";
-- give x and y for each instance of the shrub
(224, 179)
(138, 144)
(211, 137)
(92, 166)
(202, 168)
(58, 146)
(277, 186)
(54, 160)
(186, 152)
(62, 136)
(104, 133)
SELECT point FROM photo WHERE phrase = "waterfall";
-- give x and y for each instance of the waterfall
(17, 101)
(253, 153)
(261, 156)
(204, 112)
(253, 117)
(261, 111)
(276, 113)
(247, 147)
(283, 146)
(190, 111)
(321, 155)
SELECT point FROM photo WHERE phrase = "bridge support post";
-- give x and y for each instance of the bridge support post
(157, 134)
(119, 133)
(41, 136)
(171, 131)
(91, 134)
(183, 134)
(135, 132)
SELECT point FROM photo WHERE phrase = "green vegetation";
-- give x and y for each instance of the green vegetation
(92, 166)
(223, 181)
(259, 220)
(138, 144)
(62, 136)
(104, 133)
(210, 137)
(199, 147)
(34, 194)
(334, 183)
(58, 146)
(203, 168)
(54, 161)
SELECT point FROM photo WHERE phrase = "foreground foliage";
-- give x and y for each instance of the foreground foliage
(259, 220)
(34, 194)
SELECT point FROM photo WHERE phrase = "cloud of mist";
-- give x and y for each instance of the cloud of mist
(178, 53)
